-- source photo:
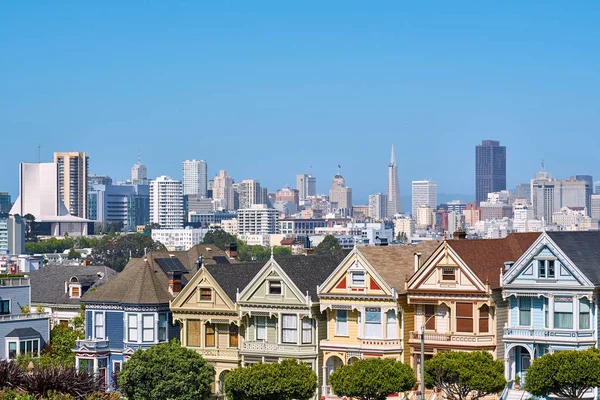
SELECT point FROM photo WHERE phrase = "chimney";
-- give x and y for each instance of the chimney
(231, 250)
(417, 261)
(459, 235)
(199, 263)
(174, 283)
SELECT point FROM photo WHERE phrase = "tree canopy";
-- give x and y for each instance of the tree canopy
(166, 371)
(372, 379)
(328, 246)
(568, 374)
(59, 245)
(278, 381)
(460, 374)
(114, 250)
(219, 238)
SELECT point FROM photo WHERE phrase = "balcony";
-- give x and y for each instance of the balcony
(571, 336)
(93, 344)
(469, 339)
(23, 317)
(381, 344)
(264, 348)
(14, 281)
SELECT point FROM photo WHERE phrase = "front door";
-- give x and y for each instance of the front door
(525, 364)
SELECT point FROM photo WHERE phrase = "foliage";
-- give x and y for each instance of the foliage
(286, 380)
(104, 227)
(73, 254)
(259, 253)
(460, 374)
(568, 374)
(166, 371)
(29, 235)
(402, 238)
(114, 251)
(11, 276)
(372, 379)
(79, 384)
(62, 341)
(219, 238)
(11, 394)
(11, 375)
(148, 228)
(25, 309)
(59, 245)
(329, 246)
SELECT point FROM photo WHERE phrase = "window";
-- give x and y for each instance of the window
(132, 327)
(373, 322)
(75, 291)
(584, 313)
(391, 325)
(148, 328)
(484, 319)
(233, 335)
(525, 311)
(341, 323)
(205, 294)
(563, 312)
(546, 313)
(358, 278)
(546, 269)
(209, 336)
(99, 325)
(274, 287)
(117, 366)
(12, 350)
(464, 317)
(306, 331)
(261, 327)
(289, 328)
(4, 307)
(24, 347)
(86, 365)
(193, 333)
(430, 317)
(449, 274)
(162, 327)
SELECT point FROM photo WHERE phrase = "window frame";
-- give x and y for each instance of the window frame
(145, 329)
(233, 334)
(133, 328)
(197, 341)
(270, 287)
(339, 324)
(260, 327)
(213, 334)
(7, 301)
(465, 318)
(445, 275)
(202, 293)
(163, 327)
(289, 330)
(394, 325)
(357, 274)
(307, 329)
(483, 318)
(588, 314)
(555, 313)
(431, 322)
(101, 326)
(371, 326)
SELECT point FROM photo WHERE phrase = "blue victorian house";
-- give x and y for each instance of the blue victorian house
(550, 291)
(128, 313)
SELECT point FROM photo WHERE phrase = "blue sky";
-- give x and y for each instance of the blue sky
(267, 89)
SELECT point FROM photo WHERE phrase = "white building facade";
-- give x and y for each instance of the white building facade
(166, 203)
(179, 239)
(258, 218)
(378, 206)
(194, 177)
(423, 193)
(223, 189)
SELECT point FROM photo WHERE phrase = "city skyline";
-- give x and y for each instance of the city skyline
(315, 94)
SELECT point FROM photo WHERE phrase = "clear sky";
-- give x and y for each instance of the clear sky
(268, 89)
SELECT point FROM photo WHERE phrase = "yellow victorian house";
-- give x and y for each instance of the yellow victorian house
(209, 317)
(365, 304)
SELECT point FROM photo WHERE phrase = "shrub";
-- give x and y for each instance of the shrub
(43, 381)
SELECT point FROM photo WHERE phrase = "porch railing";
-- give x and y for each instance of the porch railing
(465, 338)
(548, 333)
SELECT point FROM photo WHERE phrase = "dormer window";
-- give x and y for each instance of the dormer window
(274, 287)
(546, 269)
(449, 274)
(358, 278)
(205, 294)
(74, 288)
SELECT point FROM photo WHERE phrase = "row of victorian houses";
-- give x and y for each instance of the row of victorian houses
(518, 298)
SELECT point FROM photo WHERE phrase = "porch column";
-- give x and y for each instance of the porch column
(96, 365)
(551, 311)
(324, 386)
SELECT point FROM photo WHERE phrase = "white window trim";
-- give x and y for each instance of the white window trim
(137, 328)
(103, 323)
(212, 295)
(256, 328)
(153, 328)
(115, 362)
(166, 327)
(269, 287)
(9, 306)
(364, 275)
(335, 318)
(71, 286)
(18, 341)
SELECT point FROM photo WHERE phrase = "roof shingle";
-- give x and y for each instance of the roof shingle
(583, 248)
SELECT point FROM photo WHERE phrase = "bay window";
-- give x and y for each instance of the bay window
(430, 317)
(373, 322)
(162, 327)
(261, 327)
(391, 331)
(23, 347)
(525, 311)
(132, 327)
(289, 328)
(148, 328)
(98, 325)
(193, 332)
(233, 335)
(209, 335)
(484, 319)
(341, 323)
(306, 330)
(464, 317)
(563, 312)
(584, 313)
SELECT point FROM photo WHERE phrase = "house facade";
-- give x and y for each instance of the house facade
(551, 299)
(209, 317)
(128, 313)
(364, 301)
(279, 309)
(21, 333)
(454, 294)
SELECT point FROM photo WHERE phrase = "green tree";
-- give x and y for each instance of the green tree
(29, 221)
(460, 374)
(329, 246)
(219, 238)
(62, 342)
(114, 250)
(567, 374)
(73, 254)
(148, 228)
(372, 379)
(166, 371)
(278, 381)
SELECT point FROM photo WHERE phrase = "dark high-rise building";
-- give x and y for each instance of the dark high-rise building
(5, 203)
(490, 169)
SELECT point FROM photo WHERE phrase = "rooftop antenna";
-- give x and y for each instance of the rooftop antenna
(339, 169)
(39, 154)
(542, 165)
(139, 157)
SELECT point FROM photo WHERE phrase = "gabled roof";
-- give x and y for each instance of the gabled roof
(48, 282)
(233, 277)
(307, 272)
(583, 249)
(140, 283)
(396, 264)
(486, 257)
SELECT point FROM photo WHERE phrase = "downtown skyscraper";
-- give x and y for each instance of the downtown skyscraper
(194, 177)
(490, 169)
(394, 204)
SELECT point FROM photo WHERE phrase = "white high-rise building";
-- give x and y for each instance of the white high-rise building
(341, 195)
(223, 189)
(393, 188)
(194, 177)
(378, 206)
(72, 181)
(139, 173)
(423, 193)
(250, 193)
(257, 218)
(306, 185)
(595, 201)
(166, 203)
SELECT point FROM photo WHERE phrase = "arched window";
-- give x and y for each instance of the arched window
(484, 319)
